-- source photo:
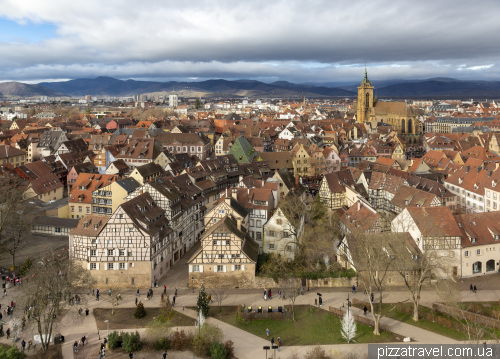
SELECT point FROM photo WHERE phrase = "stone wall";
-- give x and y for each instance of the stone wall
(141, 273)
(332, 282)
(230, 279)
(459, 314)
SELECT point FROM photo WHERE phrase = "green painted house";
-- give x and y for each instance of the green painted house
(242, 150)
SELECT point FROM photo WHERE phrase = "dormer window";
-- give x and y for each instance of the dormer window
(473, 240)
(497, 237)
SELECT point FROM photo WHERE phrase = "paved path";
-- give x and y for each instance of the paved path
(248, 345)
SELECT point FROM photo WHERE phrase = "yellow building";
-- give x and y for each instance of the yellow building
(12, 155)
(397, 114)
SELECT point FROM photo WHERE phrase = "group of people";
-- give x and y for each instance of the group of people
(268, 294)
(473, 288)
(278, 340)
(23, 345)
(150, 293)
(80, 343)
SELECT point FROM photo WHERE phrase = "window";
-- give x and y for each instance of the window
(110, 265)
(79, 208)
(259, 235)
(93, 266)
(227, 243)
(279, 221)
(271, 245)
(252, 234)
(122, 265)
(237, 267)
(272, 234)
(215, 220)
(72, 208)
(222, 211)
(121, 252)
(93, 252)
(478, 252)
(88, 209)
(196, 268)
(131, 229)
(214, 243)
(58, 229)
(220, 268)
(473, 240)
(289, 248)
(110, 252)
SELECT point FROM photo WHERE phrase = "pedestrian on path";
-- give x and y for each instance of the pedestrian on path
(8, 333)
(267, 331)
(137, 292)
(131, 355)
(471, 288)
(353, 289)
(320, 301)
(173, 301)
(365, 309)
(265, 296)
(136, 301)
(278, 343)
(87, 312)
(270, 294)
(164, 289)
(5, 292)
(475, 289)
(23, 345)
(97, 296)
(164, 355)
(75, 345)
(272, 342)
(279, 294)
(372, 297)
(176, 292)
(83, 341)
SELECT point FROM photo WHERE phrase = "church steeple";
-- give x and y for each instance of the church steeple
(365, 80)
(365, 100)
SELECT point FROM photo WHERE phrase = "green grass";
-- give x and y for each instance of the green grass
(422, 323)
(315, 326)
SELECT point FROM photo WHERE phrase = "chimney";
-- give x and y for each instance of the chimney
(235, 193)
(296, 181)
(467, 169)
(359, 206)
(238, 223)
(478, 170)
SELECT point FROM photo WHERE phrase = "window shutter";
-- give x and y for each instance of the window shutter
(215, 269)
(243, 267)
(88, 253)
(201, 269)
(96, 252)
(105, 266)
(116, 266)
(190, 268)
(97, 266)
(126, 266)
(224, 268)
(232, 268)
(88, 266)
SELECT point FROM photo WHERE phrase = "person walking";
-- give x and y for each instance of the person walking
(87, 312)
(353, 289)
(23, 345)
(131, 355)
(83, 341)
(265, 296)
(136, 301)
(164, 289)
(5, 292)
(173, 301)
(97, 296)
(267, 332)
(8, 333)
(365, 309)
(278, 343)
(279, 294)
(137, 292)
(272, 342)
(164, 355)
(270, 294)
(471, 288)
(75, 345)
(320, 301)
(475, 289)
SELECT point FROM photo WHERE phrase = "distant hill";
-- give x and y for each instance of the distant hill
(107, 86)
(18, 89)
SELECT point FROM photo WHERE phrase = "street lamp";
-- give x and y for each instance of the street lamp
(266, 348)
(192, 282)
(107, 321)
(308, 282)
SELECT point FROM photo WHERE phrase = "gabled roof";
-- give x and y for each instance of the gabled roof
(242, 150)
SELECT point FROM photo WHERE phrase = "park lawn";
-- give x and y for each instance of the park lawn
(123, 318)
(312, 326)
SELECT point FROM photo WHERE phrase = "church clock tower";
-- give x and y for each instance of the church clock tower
(365, 100)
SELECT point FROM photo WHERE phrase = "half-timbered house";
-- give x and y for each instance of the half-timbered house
(227, 256)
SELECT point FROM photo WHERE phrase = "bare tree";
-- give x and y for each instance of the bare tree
(17, 230)
(219, 293)
(367, 254)
(51, 290)
(290, 290)
(114, 298)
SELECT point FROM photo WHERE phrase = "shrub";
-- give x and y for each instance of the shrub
(317, 353)
(180, 340)
(218, 351)
(10, 353)
(113, 339)
(205, 337)
(140, 312)
(229, 348)
(131, 341)
(26, 266)
(161, 344)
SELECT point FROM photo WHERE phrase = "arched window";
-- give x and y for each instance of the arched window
(490, 265)
(403, 128)
(367, 100)
(410, 126)
(477, 267)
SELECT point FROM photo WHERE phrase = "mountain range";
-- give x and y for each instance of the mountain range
(107, 86)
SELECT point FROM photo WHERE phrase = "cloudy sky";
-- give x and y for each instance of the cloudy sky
(298, 41)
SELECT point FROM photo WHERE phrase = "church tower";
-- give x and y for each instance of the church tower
(365, 100)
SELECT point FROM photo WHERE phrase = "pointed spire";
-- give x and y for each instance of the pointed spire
(365, 80)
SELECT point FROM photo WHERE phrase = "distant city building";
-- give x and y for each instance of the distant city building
(173, 101)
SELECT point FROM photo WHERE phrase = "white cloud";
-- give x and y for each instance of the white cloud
(287, 39)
